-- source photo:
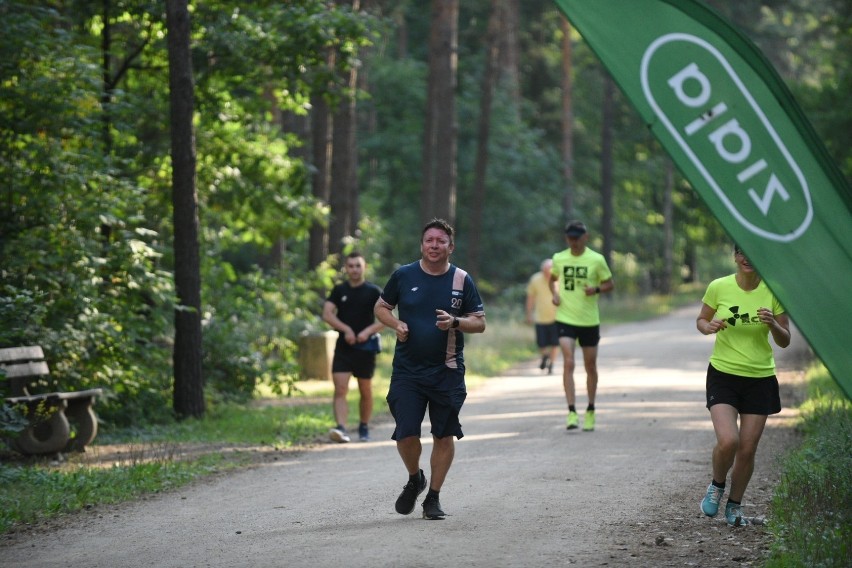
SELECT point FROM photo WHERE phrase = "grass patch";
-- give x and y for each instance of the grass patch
(812, 506)
(33, 493)
(230, 423)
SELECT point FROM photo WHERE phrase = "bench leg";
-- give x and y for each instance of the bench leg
(84, 424)
(47, 437)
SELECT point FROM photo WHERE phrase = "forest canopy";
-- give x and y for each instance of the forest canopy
(310, 122)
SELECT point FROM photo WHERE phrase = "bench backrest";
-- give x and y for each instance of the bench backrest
(19, 364)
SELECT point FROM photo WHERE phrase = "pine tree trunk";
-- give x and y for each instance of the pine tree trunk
(344, 183)
(667, 280)
(606, 169)
(439, 151)
(567, 121)
(480, 171)
(321, 130)
(189, 386)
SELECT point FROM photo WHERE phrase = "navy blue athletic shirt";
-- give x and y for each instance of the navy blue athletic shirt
(417, 295)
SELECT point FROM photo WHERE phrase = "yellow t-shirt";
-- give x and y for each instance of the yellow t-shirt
(574, 273)
(538, 288)
(742, 348)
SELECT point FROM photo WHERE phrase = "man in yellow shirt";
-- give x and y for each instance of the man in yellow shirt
(579, 276)
(541, 312)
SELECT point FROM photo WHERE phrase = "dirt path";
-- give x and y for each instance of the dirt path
(523, 491)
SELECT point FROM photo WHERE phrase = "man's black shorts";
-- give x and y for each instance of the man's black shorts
(747, 394)
(362, 364)
(587, 336)
(443, 393)
(546, 334)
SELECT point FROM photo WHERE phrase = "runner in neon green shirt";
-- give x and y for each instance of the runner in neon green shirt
(578, 276)
(743, 349)
(741, 384)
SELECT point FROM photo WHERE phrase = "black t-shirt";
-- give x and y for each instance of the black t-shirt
(354, 305)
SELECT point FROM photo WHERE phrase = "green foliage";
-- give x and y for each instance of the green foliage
(393, 153)
(85, 231)
(77, 265)
(251, 329)
(812, 510)
(12, 420)
(524, 180)
(86, 223)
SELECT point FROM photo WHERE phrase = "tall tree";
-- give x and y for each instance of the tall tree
(607, 206)
(667, 278)
(344, 173)
(344, 194)
(108, 85)
(321, 150)
(440, 134)
(567, 119)
(509, 52)
(480, 172)
(189, 385)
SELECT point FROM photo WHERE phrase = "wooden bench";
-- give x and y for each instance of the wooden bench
(59, 421)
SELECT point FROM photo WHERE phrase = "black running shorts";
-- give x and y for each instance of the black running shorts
(443, 394)
(587, 336)
(546, 335)
(748, 395)
(362, 364)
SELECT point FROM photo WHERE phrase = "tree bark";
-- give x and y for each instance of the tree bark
(439, 150)
(480, 171)
(344, 190)
(188, 381)
(606, 169)
(344, 180)
(567, 121)
(509, 50)
(667, 280)
(321, 148)
(106, 95)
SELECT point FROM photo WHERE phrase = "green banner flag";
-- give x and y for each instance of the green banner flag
(730, 124)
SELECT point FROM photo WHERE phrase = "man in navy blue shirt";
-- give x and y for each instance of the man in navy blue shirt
(436, 303)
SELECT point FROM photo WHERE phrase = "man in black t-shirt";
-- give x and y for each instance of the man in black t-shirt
(349, 310)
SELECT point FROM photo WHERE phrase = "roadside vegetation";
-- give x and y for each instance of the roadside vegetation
(812, 508)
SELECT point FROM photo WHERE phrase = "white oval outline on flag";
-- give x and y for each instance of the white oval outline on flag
(655, 45)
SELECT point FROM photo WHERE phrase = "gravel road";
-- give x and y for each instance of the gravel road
(522, 491)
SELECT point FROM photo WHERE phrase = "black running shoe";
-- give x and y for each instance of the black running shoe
(432, 509)
(543, 363)
(408, 498)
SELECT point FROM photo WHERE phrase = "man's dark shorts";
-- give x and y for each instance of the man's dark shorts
(587, 336)
(747, 394)
(546, 334)
(362, 364)
(444, 394)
